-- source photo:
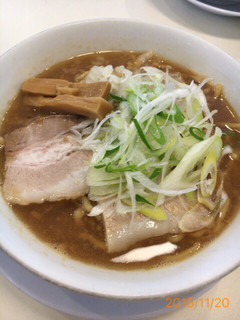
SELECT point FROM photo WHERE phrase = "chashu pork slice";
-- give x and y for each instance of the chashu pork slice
(38, 130)
(44, 163)
(121, 233)
(183, 215)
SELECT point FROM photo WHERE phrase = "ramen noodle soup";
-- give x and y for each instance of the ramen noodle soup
(122, 160)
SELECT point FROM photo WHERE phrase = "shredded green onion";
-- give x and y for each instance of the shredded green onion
(178, 117)
(142, 135)
(209, 175)
(157, 132)
(142, 199)
(99, 166)
(197, 133)
(109, 152)
(113, 96)
(156, 172)
(132, 102)
(111, 168)
(229, 133)
(196, 108)
(191, 195)
(156, 213)
(157, 143)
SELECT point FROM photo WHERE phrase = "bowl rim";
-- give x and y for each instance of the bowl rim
(189, 288)
(113, 19)
(177, 293)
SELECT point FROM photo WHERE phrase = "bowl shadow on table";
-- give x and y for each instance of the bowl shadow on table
(192, 17)
(106, 309)
(113, 309)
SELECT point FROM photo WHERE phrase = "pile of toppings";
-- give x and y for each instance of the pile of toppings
(159, 142)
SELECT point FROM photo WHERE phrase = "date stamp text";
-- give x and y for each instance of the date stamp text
(210, 303)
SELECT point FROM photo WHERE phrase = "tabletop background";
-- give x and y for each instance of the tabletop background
(20, 19)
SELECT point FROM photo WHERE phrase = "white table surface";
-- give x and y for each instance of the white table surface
(20, 19)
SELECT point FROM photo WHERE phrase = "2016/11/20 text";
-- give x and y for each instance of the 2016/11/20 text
(213, 303)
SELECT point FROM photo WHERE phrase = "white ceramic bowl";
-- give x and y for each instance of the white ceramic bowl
(43, 50)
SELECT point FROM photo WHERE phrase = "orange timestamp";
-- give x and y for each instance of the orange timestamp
(212, 303)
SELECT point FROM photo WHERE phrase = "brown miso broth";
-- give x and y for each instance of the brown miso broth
(54, 222)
